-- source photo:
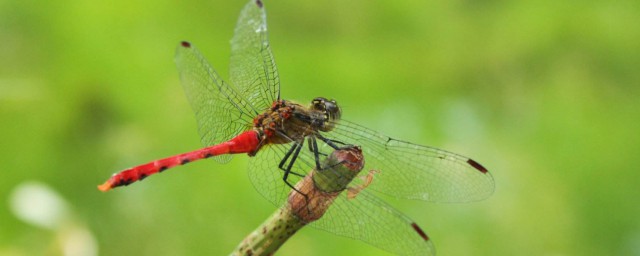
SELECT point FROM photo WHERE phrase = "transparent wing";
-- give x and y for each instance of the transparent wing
(253, 68)
(413, 171)
(267, 177)
(371, 220)
(221, 112)
(365, 217)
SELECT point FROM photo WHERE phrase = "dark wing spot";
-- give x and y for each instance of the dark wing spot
(420, 232)
(208, 155)
(184, 161)
(185, 44)
(259, 3)
(142, 176)
(476, 165)
(162, 168)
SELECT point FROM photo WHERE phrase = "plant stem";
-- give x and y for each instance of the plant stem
(317, 191)
(272, 234)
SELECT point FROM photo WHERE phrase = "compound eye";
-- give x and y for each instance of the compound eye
(319, 99)
(319, 103)
(332, 109)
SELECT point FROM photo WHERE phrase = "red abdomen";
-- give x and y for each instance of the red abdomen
(246, 142)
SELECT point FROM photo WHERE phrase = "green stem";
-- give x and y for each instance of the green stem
(270, 235)
(318, 190)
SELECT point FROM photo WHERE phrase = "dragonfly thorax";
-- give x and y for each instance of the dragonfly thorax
(286, 121)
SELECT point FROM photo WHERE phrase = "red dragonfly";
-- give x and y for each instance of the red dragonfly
(248, 116)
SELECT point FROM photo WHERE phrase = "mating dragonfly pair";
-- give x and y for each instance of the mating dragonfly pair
(248, 116)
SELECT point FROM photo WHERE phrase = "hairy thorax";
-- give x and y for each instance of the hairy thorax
(286, 121)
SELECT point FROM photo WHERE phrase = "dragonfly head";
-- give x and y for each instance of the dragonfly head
(331, 112)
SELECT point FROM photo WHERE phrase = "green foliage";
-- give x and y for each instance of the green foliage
(543, 93)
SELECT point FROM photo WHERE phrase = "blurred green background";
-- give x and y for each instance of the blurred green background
(544, 93)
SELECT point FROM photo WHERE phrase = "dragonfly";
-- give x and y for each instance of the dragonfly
(286, 140)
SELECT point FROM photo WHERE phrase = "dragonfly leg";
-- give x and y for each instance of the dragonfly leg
(333, 143)
(294, 154)
(286, 157)
(313, 146)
